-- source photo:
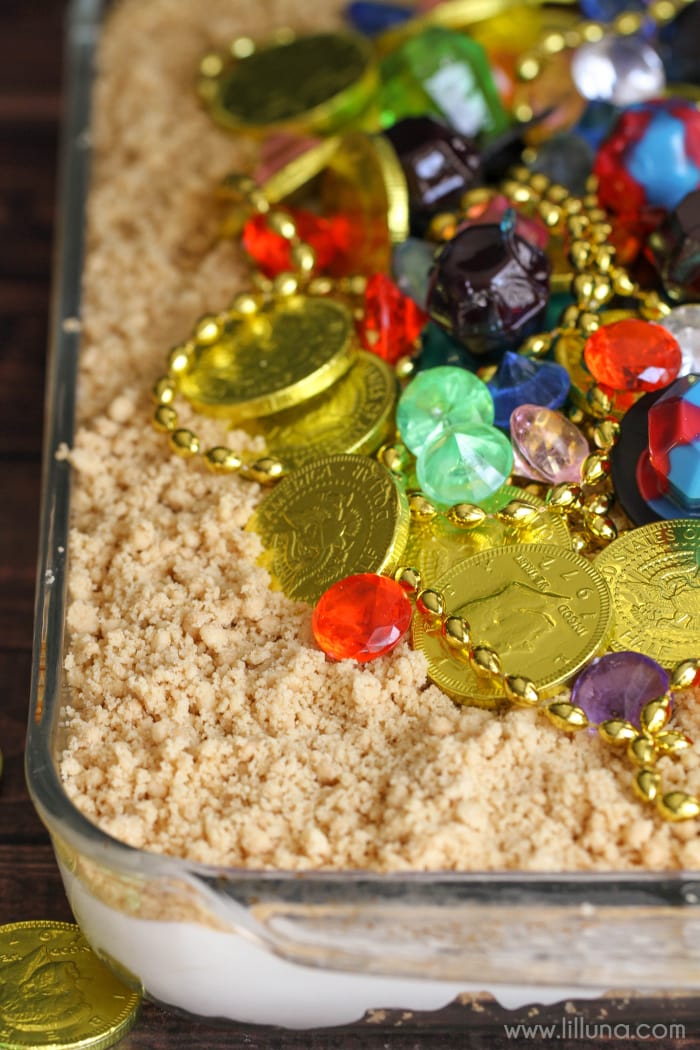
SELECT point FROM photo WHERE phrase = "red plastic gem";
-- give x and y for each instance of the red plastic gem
(328, 238)
(632, 355)
(392, 322)
(361, 617)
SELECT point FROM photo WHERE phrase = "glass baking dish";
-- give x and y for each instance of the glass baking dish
(217, 941)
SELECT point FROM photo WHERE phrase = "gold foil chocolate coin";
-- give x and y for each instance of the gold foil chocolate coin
(316, 83)
(289, 350)
(544, 609)
(337, 516)
(435, 546)
(654, 577)
(354, 415)
(55, 992)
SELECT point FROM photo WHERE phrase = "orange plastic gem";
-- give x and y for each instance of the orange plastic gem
(361, 617)
(632, 355)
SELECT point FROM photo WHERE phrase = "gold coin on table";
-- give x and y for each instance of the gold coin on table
(544, 609)
(337, 516)
(654, 577)
(435, 546)
(55, 992)
(354, 415)
(313, 84)
(290, 350)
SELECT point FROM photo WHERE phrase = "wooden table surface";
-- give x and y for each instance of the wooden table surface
(30, 886)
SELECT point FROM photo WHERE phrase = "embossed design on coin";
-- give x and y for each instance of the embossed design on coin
(337, 516)
(436, 546)
(654, 577)
(354, 415)
(290, 350)
(55, 992)
(543, 608)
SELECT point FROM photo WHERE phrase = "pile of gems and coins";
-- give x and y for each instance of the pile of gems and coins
(471, 344)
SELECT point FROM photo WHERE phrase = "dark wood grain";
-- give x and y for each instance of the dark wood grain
(30, 885)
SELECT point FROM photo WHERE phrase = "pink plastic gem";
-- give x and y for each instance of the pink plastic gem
(361, 617)
(546, 446)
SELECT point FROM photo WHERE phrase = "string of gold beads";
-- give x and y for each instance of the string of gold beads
(627, 23)
(644, 745)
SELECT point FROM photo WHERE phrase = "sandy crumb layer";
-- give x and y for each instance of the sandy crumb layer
(202, 721)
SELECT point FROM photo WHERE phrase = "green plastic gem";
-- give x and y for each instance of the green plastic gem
(442, 72)
(438, 399)
(465, 465)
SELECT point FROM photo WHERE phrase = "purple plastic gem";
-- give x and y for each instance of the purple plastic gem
(439, 166)
(676, 249)
(489, 287)
(522, 381)
(618, 685)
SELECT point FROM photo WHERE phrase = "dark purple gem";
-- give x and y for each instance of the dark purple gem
(489, 287)
(676, 249)
(438, 164)
(618, 685)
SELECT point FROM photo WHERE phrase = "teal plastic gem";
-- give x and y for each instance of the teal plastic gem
(446, 73)
(439, 399)
(465, 465)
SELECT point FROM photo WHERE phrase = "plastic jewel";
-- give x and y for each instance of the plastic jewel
(618, 686)
(671, 467)
(438, 164)
(618, 69)
(566, 159)
(465, 464)
(651, 158)
(546, 446)
(411, 263)
(633, 355)
(675, 248)
(371, 18)
(438, 399)
(446, 73)
(678, 46)
(520, 380)
(391, 322)
(272, 252)
(437, 347)
(683, 323)
(607, 10)
(494, 210)
(267, 86)
(490, 287)
(361, 617)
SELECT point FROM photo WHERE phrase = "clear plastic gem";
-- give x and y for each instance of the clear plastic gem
(618, 69)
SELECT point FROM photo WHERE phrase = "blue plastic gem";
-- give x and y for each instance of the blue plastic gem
(595, 124)
(373, 18)
(607, 10)
(566, 159)
(522, 381)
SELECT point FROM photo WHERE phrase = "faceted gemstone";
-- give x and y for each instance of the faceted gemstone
(361, 617)
(608, 10)
(675, 248)
(411, 263)
(438, 164)
(678, 45)
(683, 323)
(674, 443)
(371, 18)
(439, 348)
(328, 238)
(521, 381)
(546, 445)
(489, 287)
(618, 685)
(437, 400)
(632, 355)
(445, 73)
(651, 159)
(618, 69)
(566, 159)
(595, 125)
(391, 323)
(465, 465)
(494, 211)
